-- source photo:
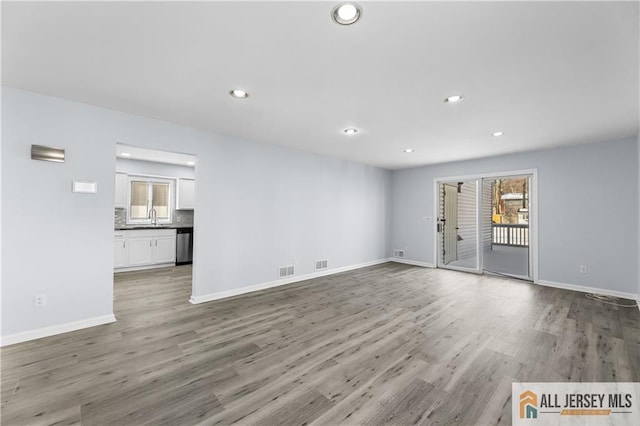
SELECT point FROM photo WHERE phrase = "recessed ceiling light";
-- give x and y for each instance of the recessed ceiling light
(191, 163)
(498, 133)
(239, 94)
(350, 131)
(408, 150)
(125, 154)
(346, 13)
(454, 98)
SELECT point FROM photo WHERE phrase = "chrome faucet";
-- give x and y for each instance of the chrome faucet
(153, 217)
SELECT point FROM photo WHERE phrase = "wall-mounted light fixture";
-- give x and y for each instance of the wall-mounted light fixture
(47, 153)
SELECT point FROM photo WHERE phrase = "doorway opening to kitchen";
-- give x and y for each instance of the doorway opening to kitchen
(488, 224)
(154, 209)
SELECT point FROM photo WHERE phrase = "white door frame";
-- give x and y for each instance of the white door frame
(171, 203)
(533, 214)
(451, 223)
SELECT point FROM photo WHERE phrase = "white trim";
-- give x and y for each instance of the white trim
(510, 173)
(436, 221)
(533, 224)
(585, 289)
(142, 175)
(462, 269)
(271, 284)
(638, 302)
(479, 229)
(143, 267)
(515, 276)
(412, 262)
(56, 329)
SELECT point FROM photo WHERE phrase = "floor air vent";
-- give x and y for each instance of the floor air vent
(321, 264)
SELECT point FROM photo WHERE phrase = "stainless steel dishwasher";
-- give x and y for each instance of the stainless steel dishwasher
(184, 246)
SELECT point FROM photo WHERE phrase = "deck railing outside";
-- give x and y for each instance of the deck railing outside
(505, 234)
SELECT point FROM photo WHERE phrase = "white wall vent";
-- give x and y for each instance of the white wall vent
(321, 264)
(398, 253)
(286, 271)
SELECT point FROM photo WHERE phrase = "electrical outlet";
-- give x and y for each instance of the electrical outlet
(179, 219)
(583, 269)
(40, 300)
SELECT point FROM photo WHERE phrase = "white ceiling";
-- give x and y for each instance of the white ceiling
(547, 74)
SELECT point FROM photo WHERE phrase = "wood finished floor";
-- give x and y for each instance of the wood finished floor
(389, 344)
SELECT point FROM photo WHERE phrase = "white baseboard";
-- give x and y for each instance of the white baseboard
(584, 289)
(263, 286)
(24, 336)
(143, 268)
(412, 262)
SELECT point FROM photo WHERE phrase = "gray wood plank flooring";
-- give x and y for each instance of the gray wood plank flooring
(388, 344)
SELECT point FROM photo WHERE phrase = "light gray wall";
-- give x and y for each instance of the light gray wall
(272, 205)
(128, 166)
(588, 210)
(257, 207)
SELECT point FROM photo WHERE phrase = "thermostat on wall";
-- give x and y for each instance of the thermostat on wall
(85, 187)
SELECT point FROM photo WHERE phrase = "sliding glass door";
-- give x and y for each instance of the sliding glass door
(483, 224)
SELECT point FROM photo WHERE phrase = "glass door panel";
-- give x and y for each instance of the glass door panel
(505, 224)
(458, 225)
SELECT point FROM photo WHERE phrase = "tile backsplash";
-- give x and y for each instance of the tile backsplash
(185, 217)
(120, 218)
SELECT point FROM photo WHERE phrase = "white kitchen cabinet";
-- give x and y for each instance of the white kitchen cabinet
(121, 190)
(164, 249)
(186, 194)
(120, 252)
(144, 248)
(140, 251)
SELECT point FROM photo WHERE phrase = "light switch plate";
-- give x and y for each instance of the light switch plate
(85, 187)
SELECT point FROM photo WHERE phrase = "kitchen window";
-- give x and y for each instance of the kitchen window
(147, 195)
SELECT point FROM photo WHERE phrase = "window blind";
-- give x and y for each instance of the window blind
(139, 200)
(160, 200)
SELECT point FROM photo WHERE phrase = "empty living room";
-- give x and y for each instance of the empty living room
(320, 213)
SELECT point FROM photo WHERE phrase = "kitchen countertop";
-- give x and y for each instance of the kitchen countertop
(138, 227)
